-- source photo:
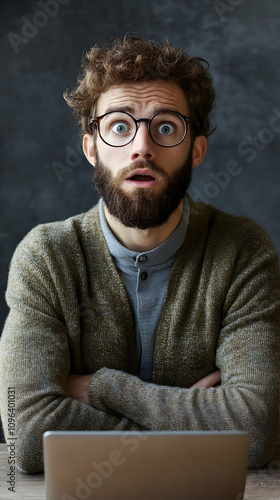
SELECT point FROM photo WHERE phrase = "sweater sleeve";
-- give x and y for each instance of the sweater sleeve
(35, 363)
(247, 353)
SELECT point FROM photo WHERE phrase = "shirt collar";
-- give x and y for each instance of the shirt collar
(157, 256)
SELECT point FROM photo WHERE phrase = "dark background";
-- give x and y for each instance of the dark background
(44, 176)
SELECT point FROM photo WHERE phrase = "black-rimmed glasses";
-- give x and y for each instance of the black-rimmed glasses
(118, 128)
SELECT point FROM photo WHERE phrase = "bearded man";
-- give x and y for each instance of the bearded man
(150, 311)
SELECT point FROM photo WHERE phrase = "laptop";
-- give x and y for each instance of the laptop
(156, 465)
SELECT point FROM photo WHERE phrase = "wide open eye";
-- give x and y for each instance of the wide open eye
(166, 129)
(120, 128)
(116, 128)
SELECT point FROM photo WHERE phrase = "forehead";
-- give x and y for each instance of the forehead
(144, 97)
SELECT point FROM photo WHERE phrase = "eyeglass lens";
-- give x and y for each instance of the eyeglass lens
(118, 128)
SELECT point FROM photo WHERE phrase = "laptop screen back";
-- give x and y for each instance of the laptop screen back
(145, 465)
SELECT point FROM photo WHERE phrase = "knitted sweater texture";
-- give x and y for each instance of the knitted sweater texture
(69, 313)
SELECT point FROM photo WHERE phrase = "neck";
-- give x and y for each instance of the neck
(139, 240)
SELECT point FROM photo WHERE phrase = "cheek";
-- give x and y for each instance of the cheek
(183, 153)
(174, 159)
(114, 158)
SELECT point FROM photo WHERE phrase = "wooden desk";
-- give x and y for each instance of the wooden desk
(261, 484)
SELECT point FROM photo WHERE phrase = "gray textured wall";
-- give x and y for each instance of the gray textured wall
(40, 57)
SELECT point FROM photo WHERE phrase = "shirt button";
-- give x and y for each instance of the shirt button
(144, 275)
(143, 258)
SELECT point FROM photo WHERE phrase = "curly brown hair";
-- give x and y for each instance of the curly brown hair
(135, 59)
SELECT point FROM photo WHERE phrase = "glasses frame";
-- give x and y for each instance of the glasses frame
(96, 121)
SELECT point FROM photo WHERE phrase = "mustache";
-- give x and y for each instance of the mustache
(138, 164)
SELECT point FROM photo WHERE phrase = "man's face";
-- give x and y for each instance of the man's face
(142, 183)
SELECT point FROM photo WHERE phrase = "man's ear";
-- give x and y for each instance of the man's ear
(89, 148)
(199, 150)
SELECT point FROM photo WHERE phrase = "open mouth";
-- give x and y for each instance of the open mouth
(142, 178)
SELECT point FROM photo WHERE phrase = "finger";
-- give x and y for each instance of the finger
(208, 381)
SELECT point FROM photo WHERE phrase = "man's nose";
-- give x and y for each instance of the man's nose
(142, 144)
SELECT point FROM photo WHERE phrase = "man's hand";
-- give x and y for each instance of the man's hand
(209, 381)
(77, 387)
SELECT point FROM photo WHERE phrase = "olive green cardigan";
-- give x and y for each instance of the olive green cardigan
(69, 312)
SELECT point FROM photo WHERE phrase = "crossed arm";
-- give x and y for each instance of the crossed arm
(77, 385)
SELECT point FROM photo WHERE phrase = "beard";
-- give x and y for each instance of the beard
(143, 208)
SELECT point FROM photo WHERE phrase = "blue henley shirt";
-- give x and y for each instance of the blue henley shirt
(145, 276)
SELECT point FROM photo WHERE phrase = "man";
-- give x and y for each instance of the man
(150, 311)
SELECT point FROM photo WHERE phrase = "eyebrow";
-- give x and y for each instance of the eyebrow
(129, 109)
(126, 108)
